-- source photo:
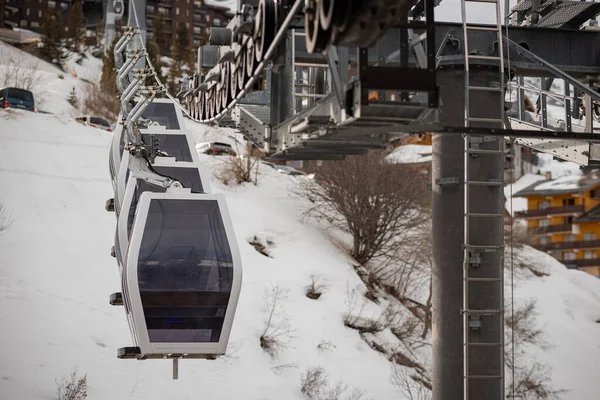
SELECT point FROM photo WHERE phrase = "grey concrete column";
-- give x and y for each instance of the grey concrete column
(448, 237)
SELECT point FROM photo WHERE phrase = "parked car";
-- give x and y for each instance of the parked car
(284, 169)
(11, 97)
(215, 149)
(96, 122)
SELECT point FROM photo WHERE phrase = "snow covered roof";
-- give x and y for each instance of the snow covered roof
(562, 185)
(410, 154)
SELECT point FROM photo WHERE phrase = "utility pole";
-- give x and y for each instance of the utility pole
(448, 233)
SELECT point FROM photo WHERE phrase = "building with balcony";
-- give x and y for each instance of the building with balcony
(29, 14)
(196, 14)
(563, 218)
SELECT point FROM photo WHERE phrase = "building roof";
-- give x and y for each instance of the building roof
(563, 185)
(591, 216)
(410, 154)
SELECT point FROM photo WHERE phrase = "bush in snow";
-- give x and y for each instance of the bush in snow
(411, 387)
(72, 387)
(277, 328)
(315, 385)
(5, 220)
(72, 99)
(241, 168)
(378, 203)
(16, 70)
(315, 290)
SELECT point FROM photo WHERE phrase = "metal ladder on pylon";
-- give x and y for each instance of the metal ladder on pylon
(481, 254)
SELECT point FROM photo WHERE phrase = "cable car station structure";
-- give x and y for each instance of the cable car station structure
(322, 79)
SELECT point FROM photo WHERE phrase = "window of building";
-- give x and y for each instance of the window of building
(590, 255)
(51, 4)
(23, 23)
(177, 11)
(149, 9)
(40, 13)
(196, 43)
(544, 222)
(28, 11)
(569, 238)
(569, 255)
(568, 202)
(589, 236)
(187, 25)
(544, 240)
(567, 220)
(35, 24)
(187, 13)
(197, 29)
(217, 21)
(543, 205)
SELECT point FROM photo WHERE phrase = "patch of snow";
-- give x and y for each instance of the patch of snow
(520, 203)
(555, 167)
(562, 183)
(410, 153)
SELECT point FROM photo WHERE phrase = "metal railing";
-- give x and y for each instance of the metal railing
(551, 229)
(541, 98)
(571, 245)
(546, 212)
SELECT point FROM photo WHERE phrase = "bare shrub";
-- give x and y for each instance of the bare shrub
(522, 325)
(313, 382)
(239, 169)
(72, 387)
(325, 345)
(315, 290)
(315, 385)
(378, 203)
(410, 386)
(533, 383)
(353, 298)
(5, 219)
(277, 332)
(100, 102)
(521, 235)
(17, 71)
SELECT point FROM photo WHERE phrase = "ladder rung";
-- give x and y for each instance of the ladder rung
(485, 88)
(479, 57)
(484, 376)
(483, 28)
(486, 183)
(483, 312)
(484, 279)
(485, 344)
(483, 247)
(486, 151)
(481, 1)
(475, 119)
(485, 215)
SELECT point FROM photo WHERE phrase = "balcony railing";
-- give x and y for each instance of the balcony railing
(546, 212)
(584, 262)
(578, 244)
(543, 230)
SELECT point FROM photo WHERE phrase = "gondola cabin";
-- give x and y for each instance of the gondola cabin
(174, 145)
(163, 114)
(182, 276)
(191, 175)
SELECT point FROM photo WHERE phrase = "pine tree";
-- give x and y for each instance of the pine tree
(72, 99)
(180, 53)
(108, 79)
(160, 37)
(52, 39)
(76, 28)
(153, 55)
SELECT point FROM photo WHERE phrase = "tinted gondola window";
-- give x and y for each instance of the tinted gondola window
(173, 145)
(163, 113)
(188, 177)
(185, 271)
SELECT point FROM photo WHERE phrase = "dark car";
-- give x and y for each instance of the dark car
(216, 148)
(96, 122)
(17, 98)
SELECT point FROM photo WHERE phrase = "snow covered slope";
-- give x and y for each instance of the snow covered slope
(56, 275)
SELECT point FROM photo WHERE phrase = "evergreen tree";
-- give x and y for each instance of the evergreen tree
(180, 53)
(72, 99)
(76, 27)
(52, 38)
(153, 55)
(160, 38)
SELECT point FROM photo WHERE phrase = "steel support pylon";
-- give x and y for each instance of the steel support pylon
(483, 180)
